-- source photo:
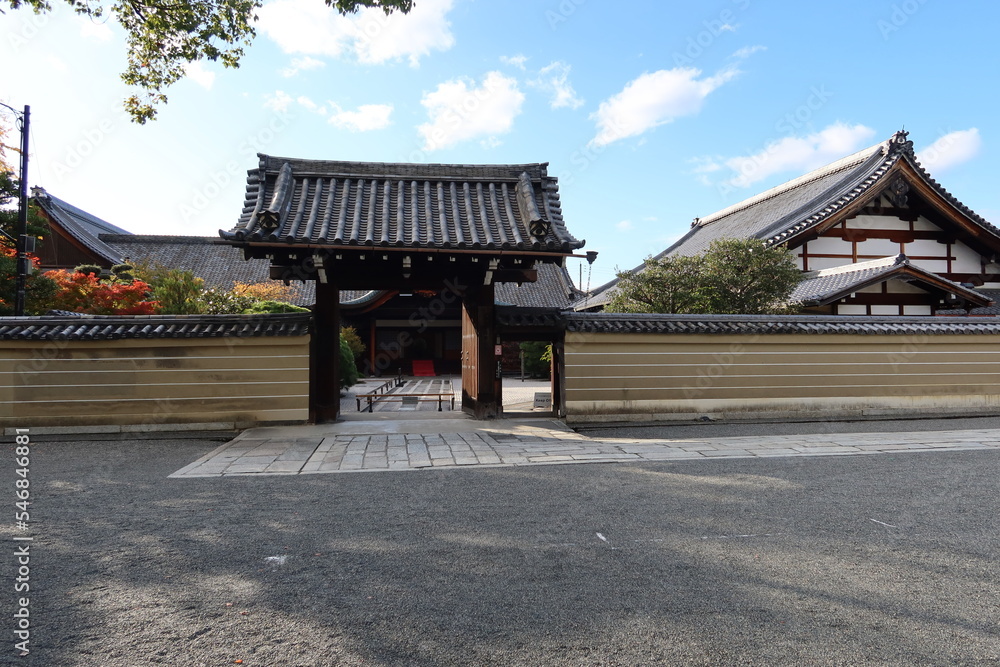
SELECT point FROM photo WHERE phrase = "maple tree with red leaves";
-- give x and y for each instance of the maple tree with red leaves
(87, 293)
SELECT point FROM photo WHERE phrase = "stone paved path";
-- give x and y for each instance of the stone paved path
(342, 448)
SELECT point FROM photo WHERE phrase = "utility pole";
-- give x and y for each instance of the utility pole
(22, 218)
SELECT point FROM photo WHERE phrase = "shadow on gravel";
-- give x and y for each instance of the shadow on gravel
(851, 560)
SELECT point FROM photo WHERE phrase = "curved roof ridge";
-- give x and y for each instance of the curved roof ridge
(832, 168)
(407, 170)
(950, 198)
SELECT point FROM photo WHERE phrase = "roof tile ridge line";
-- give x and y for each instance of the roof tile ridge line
(418, 170)
(281, 199)
(553, 209)
(261, 174)
(452, 195)
(173, 238)
(849, 192)
(519, 239)
(842, 164)
(470, 216)
(911, 158)
(527, 207)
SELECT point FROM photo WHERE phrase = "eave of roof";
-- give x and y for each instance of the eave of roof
(80, 225)
(317, 203)
(819, 288)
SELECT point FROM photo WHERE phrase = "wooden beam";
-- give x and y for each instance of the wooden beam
(324, 356)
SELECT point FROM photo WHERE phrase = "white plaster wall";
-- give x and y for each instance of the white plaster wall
(924, 225)
(966, 259)
(877, 222)
(932, 265)
(817, 263)
(900, 287)
(829, 245)
(878, 248)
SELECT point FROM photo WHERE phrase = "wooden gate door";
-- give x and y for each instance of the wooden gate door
(481, 382)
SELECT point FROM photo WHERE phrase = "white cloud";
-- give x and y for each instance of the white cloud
(748, 51)
(196, 72)
(951, 149)
(279, 101)
(789, 154)
(309, 27)
(490, 143)
(460, 111)
(554, 79)
(301, 64)
(624, 226)
(655, 99)
(411, 36)
(309, 105)
(517, 61)
(367, 117)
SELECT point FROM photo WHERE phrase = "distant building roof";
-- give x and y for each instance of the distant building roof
(83, 226)
(788, 211)
(819, 288)
(325, 203)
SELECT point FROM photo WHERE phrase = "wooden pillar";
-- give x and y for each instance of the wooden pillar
(558, 374)
(372, 340)
(481, 381)
(324, 356)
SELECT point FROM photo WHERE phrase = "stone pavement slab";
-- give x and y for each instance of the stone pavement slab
(395, 445)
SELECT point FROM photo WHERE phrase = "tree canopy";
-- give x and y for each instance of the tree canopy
(164, 36)
(734, 276)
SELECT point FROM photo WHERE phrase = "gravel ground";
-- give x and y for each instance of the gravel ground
(865, 560)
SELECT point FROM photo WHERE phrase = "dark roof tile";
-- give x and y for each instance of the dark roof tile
(328, 203)
(115, 327)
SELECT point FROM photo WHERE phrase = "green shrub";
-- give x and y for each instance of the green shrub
(537, 356)
(350, 334)
(93, 269)
(179, 292)
(348, 369)
(261, 307)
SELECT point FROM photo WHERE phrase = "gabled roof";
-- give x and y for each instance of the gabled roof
(323, 203)
(802, 204)
(818, 199)
(819, 288)
(82, 226)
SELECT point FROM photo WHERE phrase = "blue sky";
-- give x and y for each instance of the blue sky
(650, 113)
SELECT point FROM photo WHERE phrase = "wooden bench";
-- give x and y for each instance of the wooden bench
(389, 394)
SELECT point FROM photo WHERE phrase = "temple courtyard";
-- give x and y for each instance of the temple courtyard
(704, 544)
